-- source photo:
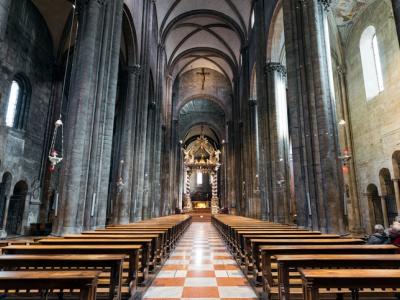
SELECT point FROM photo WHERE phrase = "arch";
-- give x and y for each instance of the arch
(387, 192)
(5, 187)
(371, 63)
(396, 164)
(18, 101)
(202, 12)
(375, 205)
(276, 36)
(129, 37)
(211, 98)
(16, 208)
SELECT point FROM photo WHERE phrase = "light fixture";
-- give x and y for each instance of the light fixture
(342, 122)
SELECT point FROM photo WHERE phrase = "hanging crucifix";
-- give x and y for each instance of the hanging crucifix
(204, 74)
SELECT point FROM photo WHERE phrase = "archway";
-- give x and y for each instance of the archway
(374, 201)
(387, 194)
(5, 187)
(16, 208)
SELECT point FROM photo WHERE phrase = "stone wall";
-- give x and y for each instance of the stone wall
(27, 50)
(375, 123)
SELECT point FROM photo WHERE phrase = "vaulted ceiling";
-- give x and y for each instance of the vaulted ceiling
(203, 34)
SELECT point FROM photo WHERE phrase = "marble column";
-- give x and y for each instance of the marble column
(317, 168)
(396, 13)
(188, 201)
(79, 117)
(214, 189)
(279, 141)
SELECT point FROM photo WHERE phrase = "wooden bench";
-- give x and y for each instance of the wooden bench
(352, 279)
(132, 251)
(106, 263)
(268, 252)
(290, 262)
(257, 243)
(85, 281)
(145, 250)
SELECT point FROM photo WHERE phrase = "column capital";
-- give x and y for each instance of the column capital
(271, 67)
(134, 70)
(326, 4)
(99, 2)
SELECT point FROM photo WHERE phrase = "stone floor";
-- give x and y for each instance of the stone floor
(200, 268)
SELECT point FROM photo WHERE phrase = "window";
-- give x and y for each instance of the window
(371, 63)
(199, 178)
(18, 102)
(12, 104)
(253, 19)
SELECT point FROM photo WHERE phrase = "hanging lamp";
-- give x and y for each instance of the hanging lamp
(56, 156)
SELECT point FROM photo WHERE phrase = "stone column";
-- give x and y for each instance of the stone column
(123, 206)
(103, 123)
(214, 189)
(279, 141)
(349, 173)
(396, 182)
(384, 212)
(317, 169)
(79, 116)
(396, 13)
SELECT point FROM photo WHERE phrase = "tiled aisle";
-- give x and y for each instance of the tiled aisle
(200, 268)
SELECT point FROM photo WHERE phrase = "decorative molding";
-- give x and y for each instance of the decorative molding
(275, 67)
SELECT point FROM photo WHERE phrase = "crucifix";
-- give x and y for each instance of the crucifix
(203, 73)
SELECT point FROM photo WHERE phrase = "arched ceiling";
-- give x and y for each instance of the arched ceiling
(203, 34)
(55, 13)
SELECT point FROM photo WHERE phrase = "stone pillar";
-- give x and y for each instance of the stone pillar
(317, 169)
(396, 13)
(214, 189)
(279, 141)
(122, 207)
(397, 193)
(80, 113)
(103, 123)
(385, 212)
(349, 173)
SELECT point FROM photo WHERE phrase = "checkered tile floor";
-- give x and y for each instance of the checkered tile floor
(200, 268)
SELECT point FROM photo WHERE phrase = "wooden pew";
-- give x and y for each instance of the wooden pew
(85, 281)
(132, 251)
(106, 263)
(145, 251)
(288, 262)
(268, 252)
(352, 279)
(159, 241)
(257, 243)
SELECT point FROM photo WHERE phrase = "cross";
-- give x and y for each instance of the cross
(203, 73)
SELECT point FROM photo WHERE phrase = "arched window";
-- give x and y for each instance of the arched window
(199, 178)
(371, 63)
(252, 19)
(18, 102)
